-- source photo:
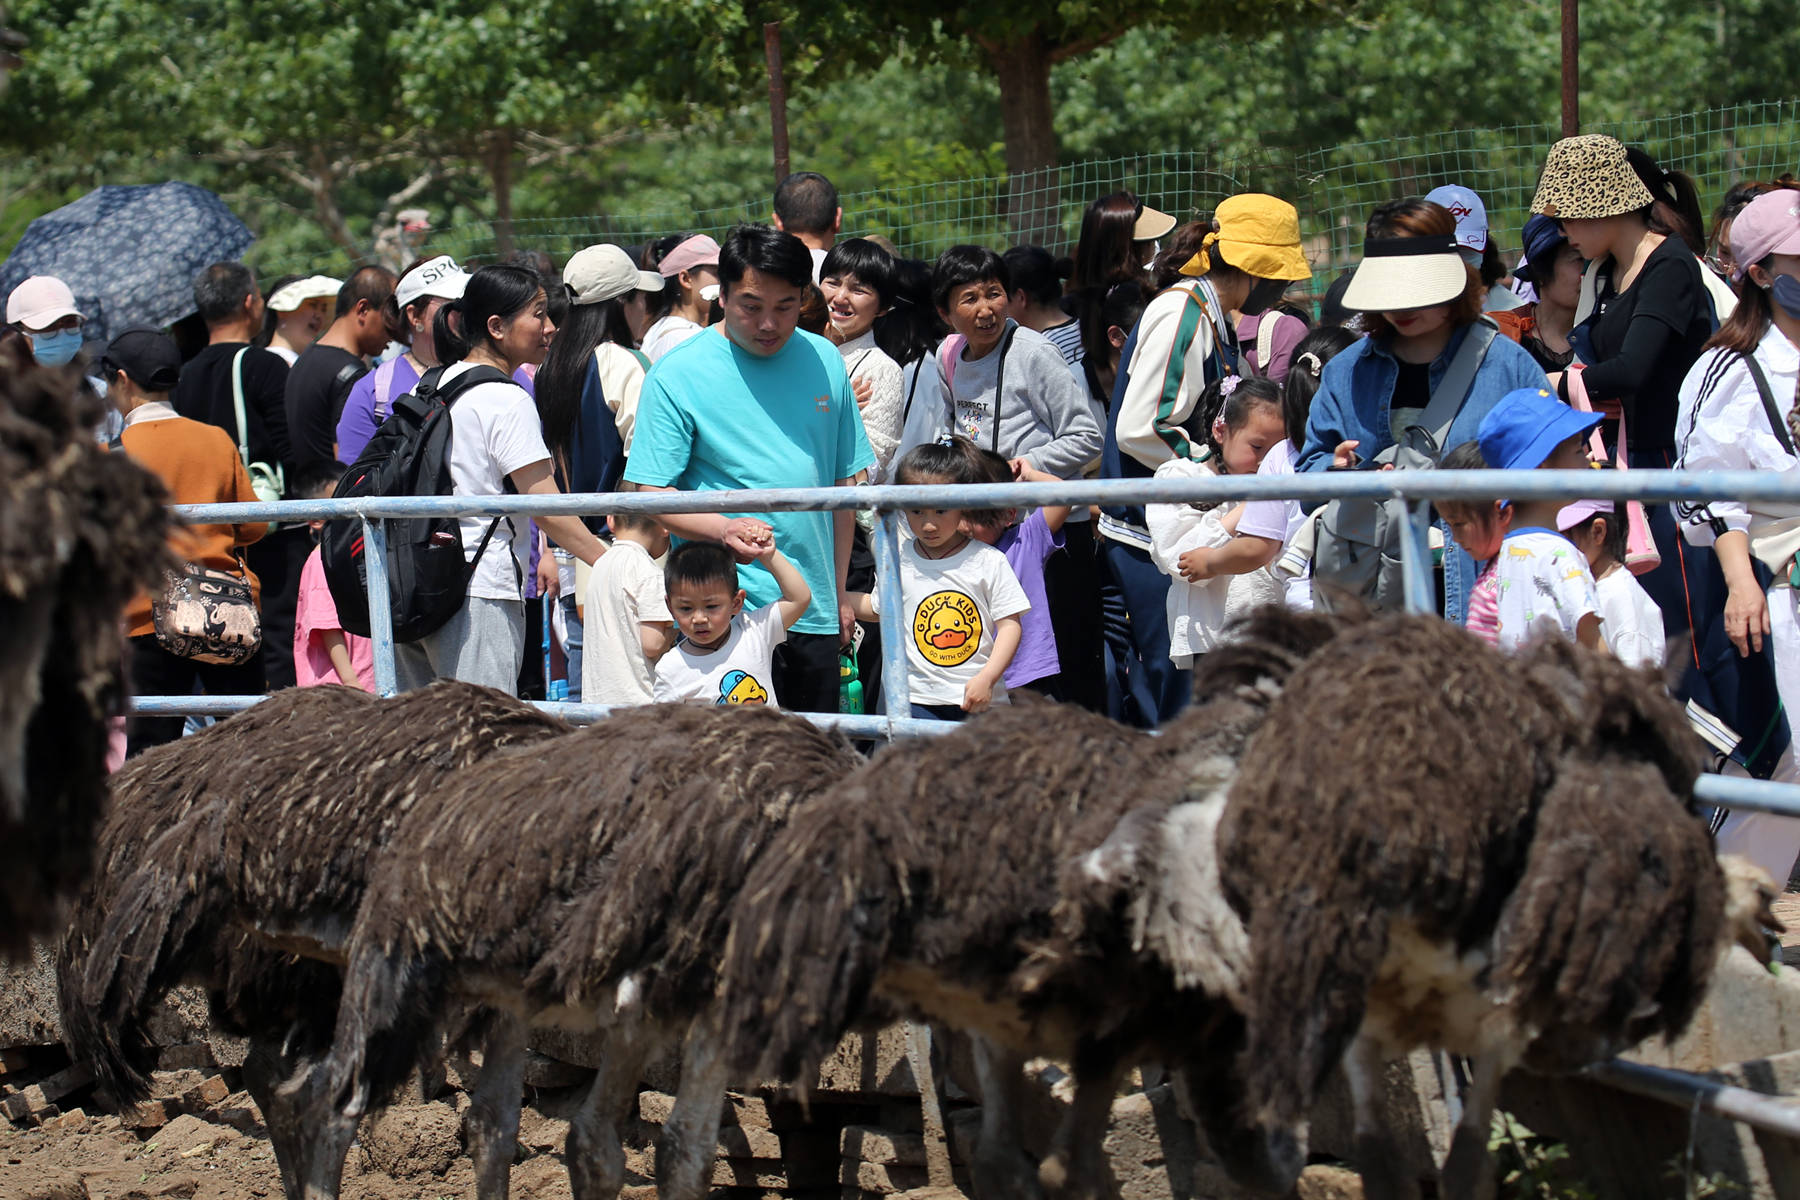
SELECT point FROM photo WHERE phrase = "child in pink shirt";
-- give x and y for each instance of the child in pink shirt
(1478, 527)
(323, 652)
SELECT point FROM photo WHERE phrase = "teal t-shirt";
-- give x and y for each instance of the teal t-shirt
(713, 416)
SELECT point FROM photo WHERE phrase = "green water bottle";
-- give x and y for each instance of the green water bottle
(850, 698)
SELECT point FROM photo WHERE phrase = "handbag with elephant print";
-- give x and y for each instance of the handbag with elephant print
(208, 616)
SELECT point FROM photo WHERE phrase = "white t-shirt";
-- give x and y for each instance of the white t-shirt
(666, 333)
(284, 354)
(1632, 624)
(1541, 576)
(1280, 519)
(624, 590)
(736, 673)
(494, 431)
(952, 606)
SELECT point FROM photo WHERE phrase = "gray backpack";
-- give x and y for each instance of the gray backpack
(1356, 556)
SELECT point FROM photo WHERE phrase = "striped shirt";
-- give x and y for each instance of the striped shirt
(1484, 606)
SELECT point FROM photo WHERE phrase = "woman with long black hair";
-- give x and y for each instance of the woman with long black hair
(501, 322)
(587, 390)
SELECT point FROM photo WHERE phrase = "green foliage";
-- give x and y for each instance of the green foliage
(1532, 1167)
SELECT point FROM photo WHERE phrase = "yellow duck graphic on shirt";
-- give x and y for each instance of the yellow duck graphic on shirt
(740, 687)
(947, 628)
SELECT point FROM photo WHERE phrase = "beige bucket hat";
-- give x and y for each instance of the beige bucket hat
(1588, 177)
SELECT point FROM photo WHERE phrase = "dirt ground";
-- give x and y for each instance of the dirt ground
(222, 1152)
(219, 1150)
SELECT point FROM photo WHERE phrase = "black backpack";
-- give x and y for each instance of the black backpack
(428, 576)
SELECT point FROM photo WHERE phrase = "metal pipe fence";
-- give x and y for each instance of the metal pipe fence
(1419, 488)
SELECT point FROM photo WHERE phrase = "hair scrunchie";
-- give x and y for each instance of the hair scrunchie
(1201, 263)
(1310, 363)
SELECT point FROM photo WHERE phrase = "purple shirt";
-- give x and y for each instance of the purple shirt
(1026, 546)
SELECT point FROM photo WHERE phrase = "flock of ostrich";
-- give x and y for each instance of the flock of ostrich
(1368, 834)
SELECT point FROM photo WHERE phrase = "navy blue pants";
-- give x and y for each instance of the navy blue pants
(939, 712)
(1149, 688)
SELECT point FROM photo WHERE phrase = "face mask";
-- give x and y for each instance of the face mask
(55, 349)
(710, 292)
(1786, 290)
(1264, 295)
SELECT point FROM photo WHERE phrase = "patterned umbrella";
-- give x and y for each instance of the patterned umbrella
(129, 254)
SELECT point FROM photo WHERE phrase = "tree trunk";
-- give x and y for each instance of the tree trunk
(500, 174)
(321, 183)
(1033, 203)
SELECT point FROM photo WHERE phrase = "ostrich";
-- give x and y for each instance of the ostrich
(603, 909)
(1501, 855)
(237, 858)
(986, 879)
(84, 531)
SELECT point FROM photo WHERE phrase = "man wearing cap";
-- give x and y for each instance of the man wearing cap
(761, 404)
(199, 464)
(212, 384)
(1183, 341)
(420, 293)
(806, 205)
(690, 274)
(298, 309)
(320, 381)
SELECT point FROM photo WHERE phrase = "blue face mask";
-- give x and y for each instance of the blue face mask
(55, 349)
(1786, 291)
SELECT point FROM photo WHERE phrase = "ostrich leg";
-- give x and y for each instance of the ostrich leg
(1469, 1170)
(684, 1153)
(595, 1155)
(492, 1125)
(1377, 1156)
(1075, 1168)
(311, 1136)
(1002, 1168)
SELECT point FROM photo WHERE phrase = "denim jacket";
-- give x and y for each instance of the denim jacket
(1352, 403)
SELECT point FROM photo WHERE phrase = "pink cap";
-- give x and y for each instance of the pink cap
(1769, 224)
(1571, 515)
(41, 302)
(697, 251)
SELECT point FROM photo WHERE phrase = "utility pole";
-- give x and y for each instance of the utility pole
(1571, 67)
(777, 99)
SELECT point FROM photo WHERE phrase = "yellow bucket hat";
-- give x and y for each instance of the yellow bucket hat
(1257, 234)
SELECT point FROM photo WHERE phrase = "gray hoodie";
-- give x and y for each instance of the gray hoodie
(1045, 416)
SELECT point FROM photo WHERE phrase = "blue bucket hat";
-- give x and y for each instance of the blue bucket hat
(1528, 423)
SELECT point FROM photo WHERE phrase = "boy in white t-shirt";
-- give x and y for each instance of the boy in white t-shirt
(626, 624)
(1540, 574)
(1630, 620)
(725, 653)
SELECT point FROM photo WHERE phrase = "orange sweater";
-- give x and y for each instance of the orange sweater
(199, 464)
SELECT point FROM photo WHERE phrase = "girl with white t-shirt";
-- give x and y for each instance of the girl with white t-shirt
(961, 600)
(501, 322)
(690, 273)
(857, 281)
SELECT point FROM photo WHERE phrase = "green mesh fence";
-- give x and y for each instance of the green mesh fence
(1334, 189)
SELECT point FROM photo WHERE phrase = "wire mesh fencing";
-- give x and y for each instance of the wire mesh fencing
(1334, 188)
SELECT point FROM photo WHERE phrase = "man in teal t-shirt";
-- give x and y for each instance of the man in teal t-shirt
(756, 403)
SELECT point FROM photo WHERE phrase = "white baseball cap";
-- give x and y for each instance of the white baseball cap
(41, 302)
(314, 287)
(604, 273)
(1470, 214)
(439, 277)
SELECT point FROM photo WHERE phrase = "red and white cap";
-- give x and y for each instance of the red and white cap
(41, 302)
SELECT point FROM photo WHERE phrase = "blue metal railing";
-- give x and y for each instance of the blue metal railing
(1421, 487)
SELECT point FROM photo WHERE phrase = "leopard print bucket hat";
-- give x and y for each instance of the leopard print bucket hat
(1587, 177)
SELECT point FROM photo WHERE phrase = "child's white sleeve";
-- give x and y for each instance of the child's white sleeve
(1178, 529)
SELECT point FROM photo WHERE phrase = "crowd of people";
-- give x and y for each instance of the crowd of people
(1628, 332)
